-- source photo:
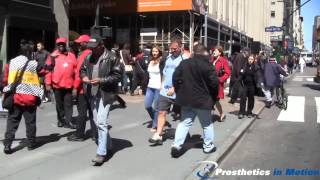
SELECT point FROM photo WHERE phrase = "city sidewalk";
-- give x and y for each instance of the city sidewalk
(134, 158)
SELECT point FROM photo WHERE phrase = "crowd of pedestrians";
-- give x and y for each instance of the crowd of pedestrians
(188, 84)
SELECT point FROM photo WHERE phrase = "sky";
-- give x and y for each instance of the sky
(308, 12)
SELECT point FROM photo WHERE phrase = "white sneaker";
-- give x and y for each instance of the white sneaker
(156, 139)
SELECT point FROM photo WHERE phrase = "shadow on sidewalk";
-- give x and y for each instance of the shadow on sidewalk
(312, 86)
(149, 124)
(118, 145)
(40, 141)
(234, 112)
(194, 141)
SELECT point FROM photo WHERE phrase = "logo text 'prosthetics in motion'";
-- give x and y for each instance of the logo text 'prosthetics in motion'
(216, 172)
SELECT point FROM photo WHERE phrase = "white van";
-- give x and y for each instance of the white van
(307, 57)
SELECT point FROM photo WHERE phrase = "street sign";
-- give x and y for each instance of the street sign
(273, 29)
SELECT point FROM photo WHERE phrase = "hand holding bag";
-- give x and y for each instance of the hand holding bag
(8, 101)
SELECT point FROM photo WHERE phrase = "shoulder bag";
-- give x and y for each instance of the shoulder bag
(8, 101)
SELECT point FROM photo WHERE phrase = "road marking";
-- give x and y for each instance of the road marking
(310, 79)
(297, 79)
(295, 110)
(304, 76)
(317, 99)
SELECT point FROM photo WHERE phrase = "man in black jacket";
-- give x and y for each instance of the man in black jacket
(237, 64)
(100, 75)
(196, 84)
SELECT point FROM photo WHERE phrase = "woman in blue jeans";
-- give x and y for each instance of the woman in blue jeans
(151, 99)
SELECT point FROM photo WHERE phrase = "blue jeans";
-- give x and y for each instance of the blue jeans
(151, 103)
(100, 116)
(188, 115)
(125, 77)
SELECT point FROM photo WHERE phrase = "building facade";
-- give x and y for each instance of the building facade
(232, 24)
(316, 36)
(139, 25)
(297, 25)
(276, 19)
(25, 19)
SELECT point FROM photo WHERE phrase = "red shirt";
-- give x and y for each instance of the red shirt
(64, 72)
(80, 60)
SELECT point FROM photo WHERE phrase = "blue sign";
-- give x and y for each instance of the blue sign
(273, 29)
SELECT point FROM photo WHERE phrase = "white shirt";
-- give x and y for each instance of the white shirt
(154, 76)
(302, 61)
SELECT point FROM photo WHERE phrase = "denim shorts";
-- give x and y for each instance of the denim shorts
(165, 103)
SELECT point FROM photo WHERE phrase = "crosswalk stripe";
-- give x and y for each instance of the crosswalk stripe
(317, 99)
(295, 110)
(310, 79)
(297, 79)
(304, 76)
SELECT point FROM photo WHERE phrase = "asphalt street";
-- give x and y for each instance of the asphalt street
(281, 141)
(134, 158)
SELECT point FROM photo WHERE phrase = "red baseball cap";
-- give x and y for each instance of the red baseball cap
(61, 40)
(83, 38)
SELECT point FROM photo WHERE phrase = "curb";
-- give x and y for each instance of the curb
(223, 150)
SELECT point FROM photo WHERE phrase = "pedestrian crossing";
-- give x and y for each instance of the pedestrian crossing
(318, 108)
(296, 111)
(303, 78)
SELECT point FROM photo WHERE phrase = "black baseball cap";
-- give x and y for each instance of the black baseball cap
(94, 41)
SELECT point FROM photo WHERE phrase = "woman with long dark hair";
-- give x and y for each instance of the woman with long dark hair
(249, 78)
(151, 99)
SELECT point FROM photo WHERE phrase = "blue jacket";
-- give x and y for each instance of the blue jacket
(272, 73)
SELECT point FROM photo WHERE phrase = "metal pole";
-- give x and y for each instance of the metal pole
(191, 32)
(218, 43)
(206, 27)
(183, 22)
(96, 21)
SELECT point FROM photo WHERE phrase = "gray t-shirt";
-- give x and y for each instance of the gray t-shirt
(95, 73)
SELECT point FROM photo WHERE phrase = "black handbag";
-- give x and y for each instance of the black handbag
(8, 101)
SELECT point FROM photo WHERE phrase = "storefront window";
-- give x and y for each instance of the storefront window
(212, 42)
(212, 34)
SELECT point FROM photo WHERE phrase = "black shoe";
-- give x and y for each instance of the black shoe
(7, 149)
(176, 116)
(60, 124)
(211, 151)
(123, 105)
(175, 152)
(241, 116)
(75, 138)
(99, 160)
(232, 101)
(268, 104)
(70, 125)
(31, 146)
(250, 115)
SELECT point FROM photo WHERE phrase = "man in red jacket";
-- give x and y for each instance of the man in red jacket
(83, 100)
(61, 78)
